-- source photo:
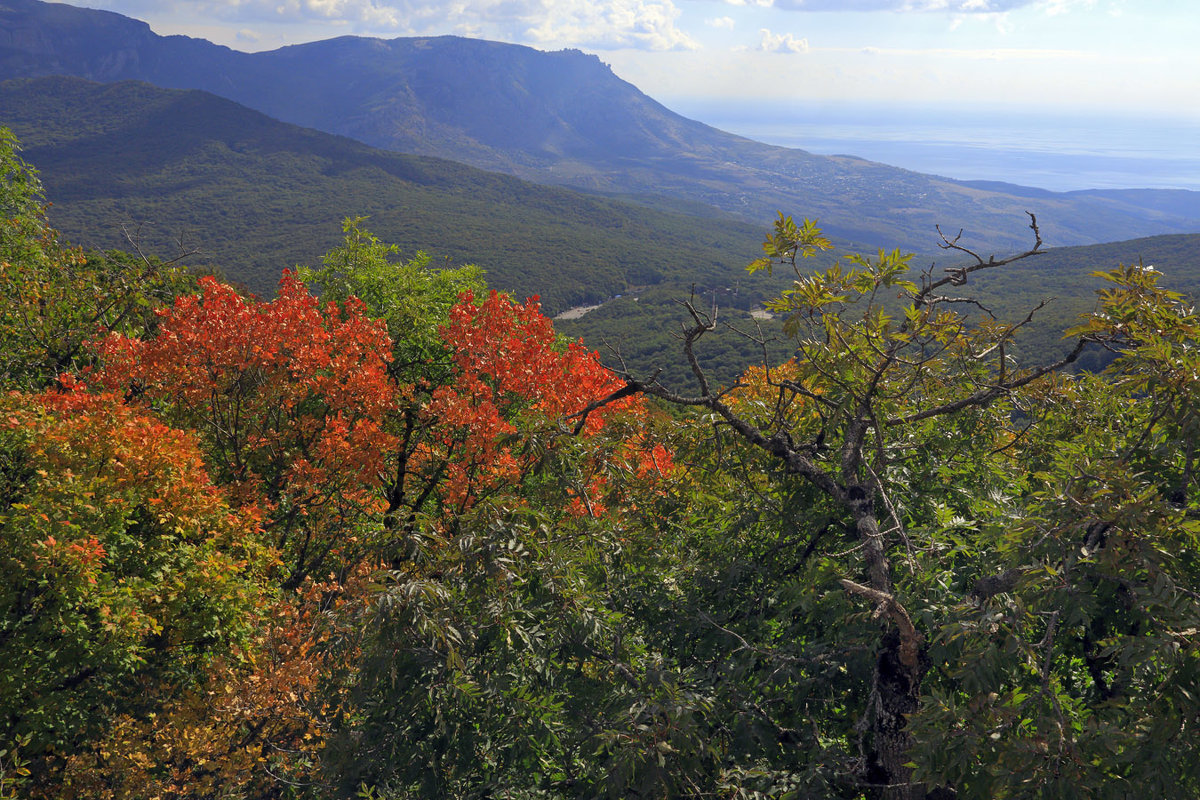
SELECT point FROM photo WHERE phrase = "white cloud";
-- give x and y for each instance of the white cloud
(1055, 7)
(643, 24)
(985, 54)
(782, 43)
(720, 22)
(1050, 7)
(951, 6)
(600, 24)
(375, 13)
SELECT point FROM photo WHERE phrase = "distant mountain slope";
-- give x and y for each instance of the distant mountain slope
(1063, 277)
(257, 195)
(1066, 275)
(563, 118)
(1068, 271)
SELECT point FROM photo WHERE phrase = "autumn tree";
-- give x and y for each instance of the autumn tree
(413, 300)
(289, 397)
(484, 388)
(126, 575)
(471, 454)
(491, 655)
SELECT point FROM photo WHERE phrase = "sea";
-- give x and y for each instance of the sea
(1042, 149)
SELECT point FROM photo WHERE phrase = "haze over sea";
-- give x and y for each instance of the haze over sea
(1060, 153)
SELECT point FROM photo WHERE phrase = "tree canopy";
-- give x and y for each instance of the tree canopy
(389, 535)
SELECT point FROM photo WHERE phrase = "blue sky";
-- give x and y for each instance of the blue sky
(1131, 56)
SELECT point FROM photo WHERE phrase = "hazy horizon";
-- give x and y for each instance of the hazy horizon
(1063, 152)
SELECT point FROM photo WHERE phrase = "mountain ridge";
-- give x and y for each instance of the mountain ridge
(564, 118)
(257, 195)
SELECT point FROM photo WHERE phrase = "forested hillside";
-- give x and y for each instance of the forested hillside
(1061, 283)
(402, 540)
(251, 194)
(174, 170)
(564, 118)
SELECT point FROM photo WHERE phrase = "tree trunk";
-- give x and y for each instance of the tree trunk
(896, 684)
(894, 695)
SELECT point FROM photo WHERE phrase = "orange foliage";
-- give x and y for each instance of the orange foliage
(294, 405)
(137, 577)
(290, 396)
(516, 379)
(102, 464)
(259, 722)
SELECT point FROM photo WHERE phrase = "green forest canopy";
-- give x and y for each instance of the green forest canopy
(404, 541)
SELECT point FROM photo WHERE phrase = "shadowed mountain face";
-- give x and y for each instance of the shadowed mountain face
(565, 118)
(255, 195)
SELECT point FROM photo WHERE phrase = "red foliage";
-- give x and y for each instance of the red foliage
(512, 349)
(290, 396)
(515, 377)
(295, 403)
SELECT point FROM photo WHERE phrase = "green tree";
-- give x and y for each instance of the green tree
(412, 297)
(55, 298)
(887, 416)
(493, 660)
(1075, 668)
(125, 573)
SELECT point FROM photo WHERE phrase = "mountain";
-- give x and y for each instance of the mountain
(564, 118)
(256, 195)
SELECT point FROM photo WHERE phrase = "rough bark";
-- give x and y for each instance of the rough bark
(895, 695)
(899, 667)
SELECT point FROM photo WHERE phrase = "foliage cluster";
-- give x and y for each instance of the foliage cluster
(406, 541)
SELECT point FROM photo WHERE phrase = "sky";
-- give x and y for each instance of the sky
(1133, 57)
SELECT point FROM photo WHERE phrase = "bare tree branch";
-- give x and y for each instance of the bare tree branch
(957, 276)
